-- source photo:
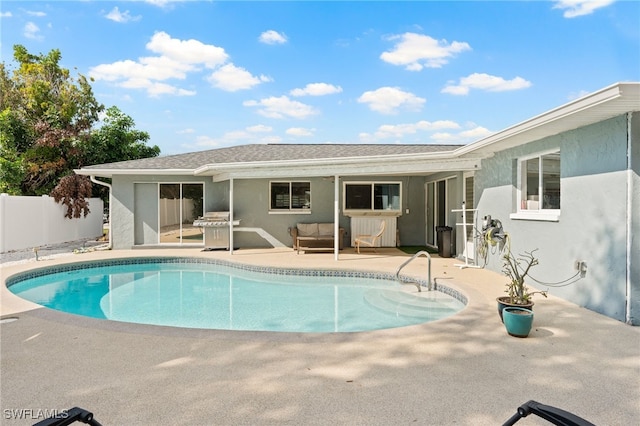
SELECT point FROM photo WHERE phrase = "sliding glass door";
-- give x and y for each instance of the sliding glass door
(180, 204)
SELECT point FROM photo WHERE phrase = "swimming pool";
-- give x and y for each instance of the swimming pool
(214, 294)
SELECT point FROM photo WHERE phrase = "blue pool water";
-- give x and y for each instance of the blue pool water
(209, 295)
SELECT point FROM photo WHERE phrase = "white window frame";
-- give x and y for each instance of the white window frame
(525, 212)
(348, 212)
(304, 210)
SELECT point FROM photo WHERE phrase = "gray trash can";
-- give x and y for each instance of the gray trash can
(444, 240)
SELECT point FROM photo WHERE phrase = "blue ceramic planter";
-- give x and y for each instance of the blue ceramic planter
(517, 321)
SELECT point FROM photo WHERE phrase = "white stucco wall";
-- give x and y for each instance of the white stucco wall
(37, 221)
(593, 225)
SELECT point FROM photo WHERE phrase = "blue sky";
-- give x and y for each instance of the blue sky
(199, 75)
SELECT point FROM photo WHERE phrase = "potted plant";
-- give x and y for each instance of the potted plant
(517, 321)
(518, 294)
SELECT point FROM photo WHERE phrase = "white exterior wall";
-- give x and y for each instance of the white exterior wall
(38, 221)
(593, 224)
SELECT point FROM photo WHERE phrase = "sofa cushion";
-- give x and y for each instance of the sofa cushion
(325, 229)
(307, 229)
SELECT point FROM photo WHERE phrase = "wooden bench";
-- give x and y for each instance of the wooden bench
(315, 237)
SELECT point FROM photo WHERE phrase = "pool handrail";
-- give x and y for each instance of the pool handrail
(409, 280)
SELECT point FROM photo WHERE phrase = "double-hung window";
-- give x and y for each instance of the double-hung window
(289, 196)
(539, 187)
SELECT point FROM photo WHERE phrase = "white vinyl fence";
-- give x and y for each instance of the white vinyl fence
(27, 222)
(170, 211)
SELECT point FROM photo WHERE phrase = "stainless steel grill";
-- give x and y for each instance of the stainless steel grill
(216, 229)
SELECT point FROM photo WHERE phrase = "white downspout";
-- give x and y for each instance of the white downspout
(94, 180)
(231, 216)
(336, 217)
(629, 220)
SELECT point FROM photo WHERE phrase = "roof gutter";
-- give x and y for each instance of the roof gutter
(107, 173)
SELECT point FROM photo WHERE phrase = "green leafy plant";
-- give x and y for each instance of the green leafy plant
(517, 269)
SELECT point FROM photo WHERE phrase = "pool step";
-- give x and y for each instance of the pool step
(427, 305)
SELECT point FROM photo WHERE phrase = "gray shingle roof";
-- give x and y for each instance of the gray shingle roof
(271, 152)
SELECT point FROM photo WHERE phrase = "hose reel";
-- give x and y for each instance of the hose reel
(492, 230)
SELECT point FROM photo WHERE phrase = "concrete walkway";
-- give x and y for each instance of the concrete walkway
(464, 370)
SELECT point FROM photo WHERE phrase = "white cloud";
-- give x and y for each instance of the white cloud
(441, 131)
(316, 89)
(299, 131)
(417, 51)
(185, 131)
(575, 8)
(207, 141)
(472, 134)
(230, 138)
(249, 132)
(236, 135)
(400, 130)
(187, 51)
(485, 82)
(6, 14)
(155, 89)
(121, 17)
(176, 59)
(270, 139)
(162, 3)
(476, 133)
(149, 68)
(35, 13)
(281, 107)
(32, 31)
(387, 100)
(231, 78)
(272, 37)
(576, 95)
(260, 128)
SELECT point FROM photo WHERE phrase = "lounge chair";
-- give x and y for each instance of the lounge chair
(369, 240)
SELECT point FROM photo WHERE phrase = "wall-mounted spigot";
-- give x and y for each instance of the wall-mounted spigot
(581, 266)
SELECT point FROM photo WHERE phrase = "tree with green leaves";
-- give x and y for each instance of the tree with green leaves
(117, 140)
(50, 124)
(45, 120)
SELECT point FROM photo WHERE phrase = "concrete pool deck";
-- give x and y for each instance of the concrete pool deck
(462, 370)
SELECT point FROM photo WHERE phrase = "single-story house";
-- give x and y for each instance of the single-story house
(565, 182)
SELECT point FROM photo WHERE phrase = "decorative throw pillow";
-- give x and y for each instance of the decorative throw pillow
(307, 229)
(325, 229)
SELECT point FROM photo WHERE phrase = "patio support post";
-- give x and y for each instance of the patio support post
(231, 216)
(336, 216)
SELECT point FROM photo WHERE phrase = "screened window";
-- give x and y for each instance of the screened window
(540, 182)
(287, 196)
(372, 196)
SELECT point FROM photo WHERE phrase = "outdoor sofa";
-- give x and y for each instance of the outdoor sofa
(315, 237)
